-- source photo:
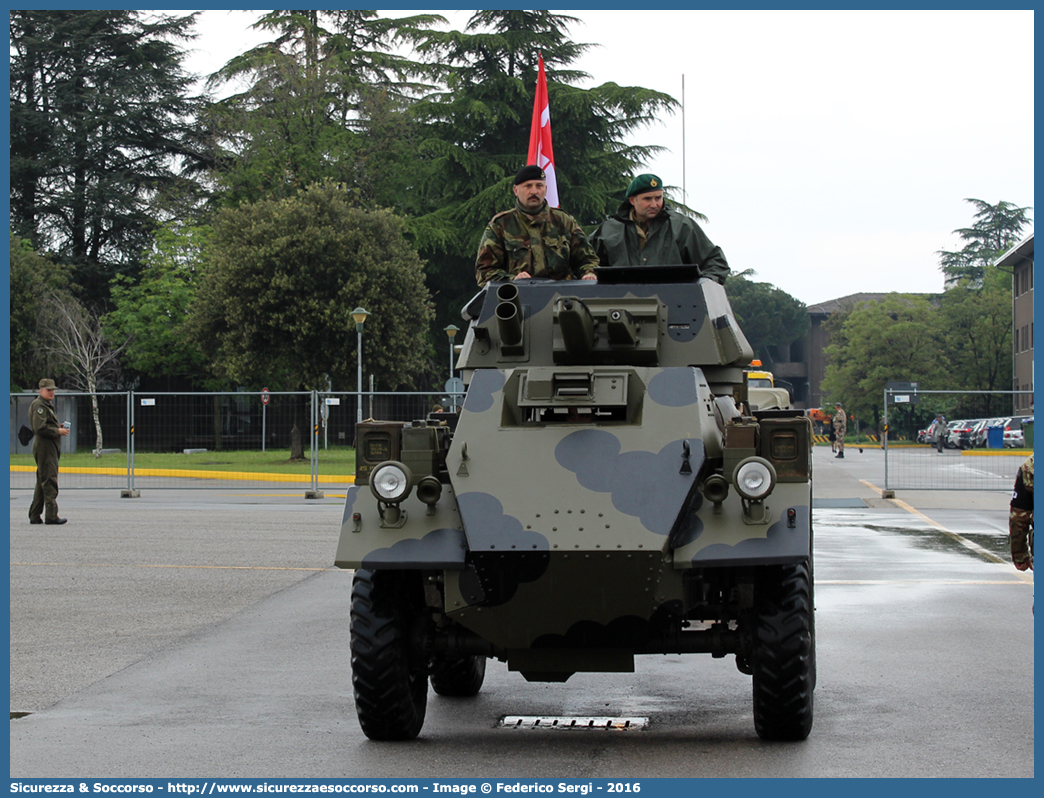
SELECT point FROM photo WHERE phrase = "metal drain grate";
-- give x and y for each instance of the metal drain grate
(552, 722)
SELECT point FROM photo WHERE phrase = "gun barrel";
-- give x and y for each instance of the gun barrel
(509, 324)
(508, 292)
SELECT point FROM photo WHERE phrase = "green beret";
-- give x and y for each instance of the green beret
(643, 184)
(527, 173)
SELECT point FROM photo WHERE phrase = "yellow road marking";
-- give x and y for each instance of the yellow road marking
(194, 473)
(996, 452)
(918, 582)
(975, 547)
(872, 487)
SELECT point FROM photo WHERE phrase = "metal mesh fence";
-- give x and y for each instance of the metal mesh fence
(339, 412)
(223, 440)
(244, 441)
(95, 454)
(977, 451)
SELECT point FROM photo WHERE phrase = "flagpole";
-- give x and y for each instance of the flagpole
(685, 195)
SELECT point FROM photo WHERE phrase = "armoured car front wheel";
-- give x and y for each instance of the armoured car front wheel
(391, 687)
(784, 659)
(459, 677)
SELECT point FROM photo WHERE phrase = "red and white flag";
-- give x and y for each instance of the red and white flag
(540, 152)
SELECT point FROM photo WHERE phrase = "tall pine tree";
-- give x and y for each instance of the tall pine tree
(996, 229)
(315, 90)
(476, 136)
(101, 124)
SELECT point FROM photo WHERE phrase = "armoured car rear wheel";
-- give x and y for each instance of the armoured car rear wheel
(784, 659)
(459, 677)
(391, 687)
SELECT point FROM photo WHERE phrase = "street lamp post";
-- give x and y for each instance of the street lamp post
(451, 331)
(359, 315)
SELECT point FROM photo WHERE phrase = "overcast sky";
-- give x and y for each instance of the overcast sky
(830, 150)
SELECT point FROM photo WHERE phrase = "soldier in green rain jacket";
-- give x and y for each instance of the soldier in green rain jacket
(533, 239)
(645, 232)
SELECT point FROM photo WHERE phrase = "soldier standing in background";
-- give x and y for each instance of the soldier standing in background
(840, 423)
(533, 239)
(47, 449)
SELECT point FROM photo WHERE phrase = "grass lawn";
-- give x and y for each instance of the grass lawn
(339, 460)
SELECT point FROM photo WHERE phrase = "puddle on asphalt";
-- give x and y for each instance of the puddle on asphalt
(937, 540)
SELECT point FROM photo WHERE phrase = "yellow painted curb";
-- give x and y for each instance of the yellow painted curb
(191, 473)
(995, 452)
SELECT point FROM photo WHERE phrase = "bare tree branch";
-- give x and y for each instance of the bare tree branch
(71, 341)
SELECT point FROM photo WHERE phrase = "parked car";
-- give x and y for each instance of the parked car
(977, 438)
(1014, 437)
(977, 426)
(960, 433)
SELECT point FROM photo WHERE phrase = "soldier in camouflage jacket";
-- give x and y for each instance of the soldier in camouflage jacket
(1020, 518)
(840, 424)
(533, 239)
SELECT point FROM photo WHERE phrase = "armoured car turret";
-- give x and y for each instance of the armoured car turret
(604, 493)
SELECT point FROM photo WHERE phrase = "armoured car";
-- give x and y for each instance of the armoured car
(605, 492)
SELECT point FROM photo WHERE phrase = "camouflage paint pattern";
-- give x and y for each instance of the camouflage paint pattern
(564, 530)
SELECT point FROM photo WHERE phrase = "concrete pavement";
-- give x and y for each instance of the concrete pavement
(127, 577)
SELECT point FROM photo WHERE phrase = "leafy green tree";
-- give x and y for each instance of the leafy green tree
(996, 229)
(770, 318)
(274, 303)
(101, 123)
(476, 136)
(894, 339)
(312, 90)
(33, 278)
(153, 312)
(976, 325)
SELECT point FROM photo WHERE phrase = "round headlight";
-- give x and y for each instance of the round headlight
(390, 482)
(754, 478)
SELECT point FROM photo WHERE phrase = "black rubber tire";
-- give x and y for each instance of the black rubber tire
(459, 678)
(784, 655)
(391, 686)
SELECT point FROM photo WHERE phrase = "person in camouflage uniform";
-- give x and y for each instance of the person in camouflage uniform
(1020, 518)
(644, 231)
(47, 449)
(840, 424)
(533, 239)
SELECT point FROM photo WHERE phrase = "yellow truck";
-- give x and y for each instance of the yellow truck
(762, 393)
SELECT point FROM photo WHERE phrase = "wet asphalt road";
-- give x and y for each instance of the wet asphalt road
(202, 634)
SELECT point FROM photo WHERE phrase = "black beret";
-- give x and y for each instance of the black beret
(527, 173)
(643, 184)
